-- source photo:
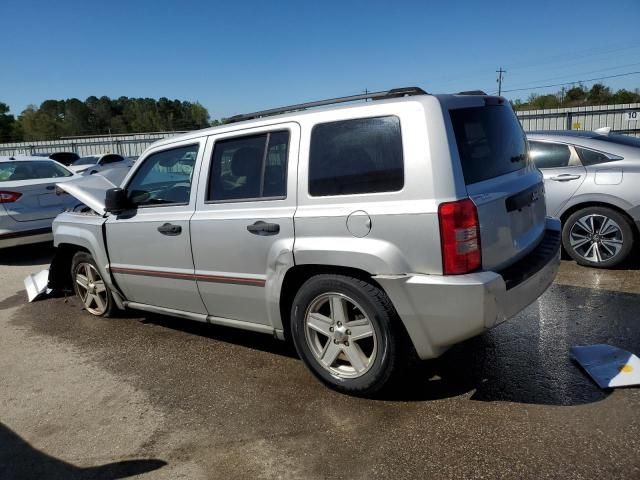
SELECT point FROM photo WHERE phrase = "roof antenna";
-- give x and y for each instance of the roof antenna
(603, 131)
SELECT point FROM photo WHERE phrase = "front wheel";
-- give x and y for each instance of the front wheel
(348, 334)
(598, 237)
(90, 287)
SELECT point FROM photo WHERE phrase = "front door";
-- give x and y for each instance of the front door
(243, 224)
(150, 245)
(563, 173)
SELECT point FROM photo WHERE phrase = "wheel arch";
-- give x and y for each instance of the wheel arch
(298, 274)
(60, 268)
(598, 203)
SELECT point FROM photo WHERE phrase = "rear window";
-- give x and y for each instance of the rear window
(12, 171)
(362, 155)
(627, 140)
(490, 141)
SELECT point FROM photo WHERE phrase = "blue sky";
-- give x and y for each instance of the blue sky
(242, 56)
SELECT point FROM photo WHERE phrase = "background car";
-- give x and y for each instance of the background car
(592, 184)
(65, 158)
(28, 199)
(94, 163)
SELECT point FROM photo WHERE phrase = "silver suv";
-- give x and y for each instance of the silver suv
(368, 234)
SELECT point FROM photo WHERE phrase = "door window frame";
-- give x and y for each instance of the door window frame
(294, 130)
(200, 141)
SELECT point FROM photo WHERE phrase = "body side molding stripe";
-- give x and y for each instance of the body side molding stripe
(256, 282)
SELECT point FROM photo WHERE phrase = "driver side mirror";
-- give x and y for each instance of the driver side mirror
(115, 200)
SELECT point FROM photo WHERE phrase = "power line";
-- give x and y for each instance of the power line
(582, 73)
(571, 83)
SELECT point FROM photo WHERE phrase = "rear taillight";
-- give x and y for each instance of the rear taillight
(460, 237)
(9, 197)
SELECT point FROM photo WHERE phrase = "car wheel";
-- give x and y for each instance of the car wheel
(348, 334)
(598, 237)
(90, 287)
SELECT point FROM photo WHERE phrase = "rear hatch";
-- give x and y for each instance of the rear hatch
(500, 179)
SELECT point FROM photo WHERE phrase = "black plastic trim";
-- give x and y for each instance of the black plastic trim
(527, 267)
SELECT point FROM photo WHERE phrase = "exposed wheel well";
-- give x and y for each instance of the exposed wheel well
(569, 211)
(299, 274)
(60, 269)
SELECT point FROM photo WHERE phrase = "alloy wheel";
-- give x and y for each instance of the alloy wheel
(91, 289)
(340, 335)
(596, 238)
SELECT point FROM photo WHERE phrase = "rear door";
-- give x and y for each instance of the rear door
(244, 219)
(562, 170)
(505, 186)
(34, 182)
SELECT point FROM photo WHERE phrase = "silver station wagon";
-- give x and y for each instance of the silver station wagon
(369, 234)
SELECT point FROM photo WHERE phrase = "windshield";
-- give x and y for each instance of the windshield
(11, 171)
(86, 161)
(490, 141)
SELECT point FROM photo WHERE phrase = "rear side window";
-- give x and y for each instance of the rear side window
(356, 156)
(490, 141)
(549, 155)
(591, 157)
(250, 167)
(12, 171)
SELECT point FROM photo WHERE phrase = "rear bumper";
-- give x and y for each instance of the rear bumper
(439, 311)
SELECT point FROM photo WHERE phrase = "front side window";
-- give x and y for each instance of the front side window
(164, 178)
(11, 171)
(549, 155)
(250, 167)
(591, 157)
(356, 156)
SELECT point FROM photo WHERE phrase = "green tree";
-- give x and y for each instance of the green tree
(7, 124)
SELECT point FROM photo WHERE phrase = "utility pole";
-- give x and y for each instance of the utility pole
(366, 92)
(500, 73)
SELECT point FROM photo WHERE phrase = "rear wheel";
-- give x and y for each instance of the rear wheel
(348, 334)
(598, 237)
(90, 287)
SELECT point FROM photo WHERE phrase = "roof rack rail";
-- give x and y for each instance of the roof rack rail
(472, 92)
(393, 93)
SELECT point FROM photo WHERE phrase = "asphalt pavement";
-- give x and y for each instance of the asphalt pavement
(147, 396)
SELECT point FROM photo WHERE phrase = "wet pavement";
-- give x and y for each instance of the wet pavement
(82, 397)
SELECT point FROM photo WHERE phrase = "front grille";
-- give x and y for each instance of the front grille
(527, 267)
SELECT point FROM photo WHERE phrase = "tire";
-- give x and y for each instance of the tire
(598, 237)
(339, 308)
(88, 284)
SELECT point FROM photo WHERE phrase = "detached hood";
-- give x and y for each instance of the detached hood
(90, 190)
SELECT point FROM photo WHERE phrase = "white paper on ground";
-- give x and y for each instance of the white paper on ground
(36, 285)
(609, 366)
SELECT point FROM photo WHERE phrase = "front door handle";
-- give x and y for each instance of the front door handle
(565, 177)
(263, 228)
(50, 187)
(169, 229)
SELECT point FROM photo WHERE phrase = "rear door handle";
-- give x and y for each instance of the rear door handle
(50, 187)
(565, 177)
(263, 228)
(170, 230)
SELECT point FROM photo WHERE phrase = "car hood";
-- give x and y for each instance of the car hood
(89, 190)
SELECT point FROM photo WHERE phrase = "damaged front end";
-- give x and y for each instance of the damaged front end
(80, 229)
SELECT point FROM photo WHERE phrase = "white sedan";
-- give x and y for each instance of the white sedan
(95, 163)
(28, 199)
